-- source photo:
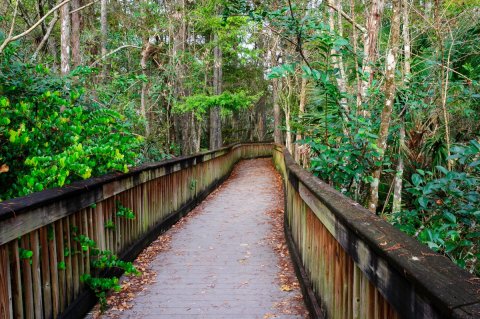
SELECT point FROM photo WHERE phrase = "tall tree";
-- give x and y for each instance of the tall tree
(76, 30)
(398, 179)
(104, 34)
(215, 119)
(390, 88)
(65, 38)
(370, 46)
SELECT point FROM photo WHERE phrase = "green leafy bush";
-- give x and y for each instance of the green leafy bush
(52, 135)
(446, 212)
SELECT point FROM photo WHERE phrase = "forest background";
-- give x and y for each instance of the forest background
(379, 98)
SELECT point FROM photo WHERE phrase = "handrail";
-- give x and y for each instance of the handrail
(46, 282)
(362, 267)
(354, 264)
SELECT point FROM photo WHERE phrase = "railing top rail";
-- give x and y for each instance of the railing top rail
(432, 274)
(16, 206)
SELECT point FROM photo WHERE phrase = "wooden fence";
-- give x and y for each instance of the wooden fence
(356, 265)
(41, 258)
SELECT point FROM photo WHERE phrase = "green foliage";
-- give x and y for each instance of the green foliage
(100, 286)
(50, 135)
(193, 184)
(110, 225)
(102, 260)
(446, 210)
(26, 254)
(124, 212)
(345, 161)
(229, 102)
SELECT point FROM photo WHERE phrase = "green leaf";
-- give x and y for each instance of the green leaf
(416, 179)
(450, 217)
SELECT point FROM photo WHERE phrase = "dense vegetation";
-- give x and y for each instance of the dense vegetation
(381, 99)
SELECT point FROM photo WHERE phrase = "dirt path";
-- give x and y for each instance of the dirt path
(226, 259)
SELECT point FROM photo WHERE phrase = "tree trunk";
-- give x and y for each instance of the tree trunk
(389, 100)
(76, 29)
(184, 122)
(104, 35)
(398, 180)
(301, 110)
(370, 44)
(215, 119)
(65, 39)
(260, 119)
(147, 51)
(338, 63)
(277, 113)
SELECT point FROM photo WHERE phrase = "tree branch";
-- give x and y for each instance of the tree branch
(83, 7)
(36, 24)
(45, 37)
(114, 51)
(347, 17)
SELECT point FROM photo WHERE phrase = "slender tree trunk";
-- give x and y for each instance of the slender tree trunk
(337, 62)
(76, 30)
(355, 53)
(407, 49)
(301, 110)
(370, 44)
(147, 52)
(444, 74)
(46, 37)
(260, 114)
(398, 180)
(215, 119)
(389, 100)
(104, 35)
(277, 112)
(65, 39)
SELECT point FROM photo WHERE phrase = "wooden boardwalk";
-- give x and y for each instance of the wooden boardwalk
(222, 262)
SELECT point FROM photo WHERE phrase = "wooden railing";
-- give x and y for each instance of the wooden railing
(40, 259)
(352, 263)
(355, 265)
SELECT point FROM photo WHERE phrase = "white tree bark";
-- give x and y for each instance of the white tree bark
(65, 39)
(398, 179)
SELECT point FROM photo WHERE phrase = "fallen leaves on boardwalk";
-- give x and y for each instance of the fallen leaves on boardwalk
(131, 286)
(293, 302)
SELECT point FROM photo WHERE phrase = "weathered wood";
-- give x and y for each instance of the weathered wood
(6, 310)
(16, 281)
(36, 275)
(59, 295)
(68, 260)
(388, 274)
(27, 285)
(45, 269)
